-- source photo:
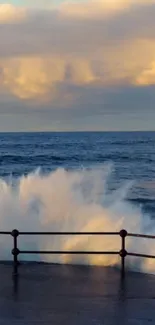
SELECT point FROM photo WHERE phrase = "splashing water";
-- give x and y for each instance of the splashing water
(72, 201)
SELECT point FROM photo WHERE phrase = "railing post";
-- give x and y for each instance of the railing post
(15, 251)
(123, 252)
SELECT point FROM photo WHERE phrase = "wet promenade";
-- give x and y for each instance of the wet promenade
(73, 295)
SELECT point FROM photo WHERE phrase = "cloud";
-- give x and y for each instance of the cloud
(40, 77)
(52, 55)
(91, 9)
(99, 8)
(41, 4)
(11, 14)
(32, 77)
(147, 76)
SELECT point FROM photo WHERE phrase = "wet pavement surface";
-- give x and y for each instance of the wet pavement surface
(75, 295)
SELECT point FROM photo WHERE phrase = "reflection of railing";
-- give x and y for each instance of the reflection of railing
(122, 253)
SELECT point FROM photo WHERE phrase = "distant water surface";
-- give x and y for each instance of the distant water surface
(131, 155)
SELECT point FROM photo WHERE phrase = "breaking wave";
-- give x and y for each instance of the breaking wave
(73, 201)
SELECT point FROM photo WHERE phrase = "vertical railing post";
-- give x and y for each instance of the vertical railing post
(123, 252)
(15, 251)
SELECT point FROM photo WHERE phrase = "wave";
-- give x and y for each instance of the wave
(73, 201)
(25, 159)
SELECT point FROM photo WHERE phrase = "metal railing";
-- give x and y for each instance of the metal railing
(122, 252)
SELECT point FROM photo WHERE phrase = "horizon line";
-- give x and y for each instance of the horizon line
(80, 131)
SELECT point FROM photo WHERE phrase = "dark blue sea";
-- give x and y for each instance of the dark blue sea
(131, 156)
(77, 181)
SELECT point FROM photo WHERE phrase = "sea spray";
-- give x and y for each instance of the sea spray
(73, 201)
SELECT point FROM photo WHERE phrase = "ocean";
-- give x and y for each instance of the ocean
(92, 181)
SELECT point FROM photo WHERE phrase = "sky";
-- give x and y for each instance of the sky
(77, 65)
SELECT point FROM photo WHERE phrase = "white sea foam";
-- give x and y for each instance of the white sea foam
(73, 201)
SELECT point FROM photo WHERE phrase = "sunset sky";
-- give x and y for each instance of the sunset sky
(77, 65)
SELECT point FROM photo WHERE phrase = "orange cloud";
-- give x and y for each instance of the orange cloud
(95, 8)
(10, 13)
(147, 76)
(55, 48)
(33, 77)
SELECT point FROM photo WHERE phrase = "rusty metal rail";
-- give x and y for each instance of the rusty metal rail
(123, 253)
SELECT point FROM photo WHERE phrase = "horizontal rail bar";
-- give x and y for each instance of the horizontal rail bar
(70, 252)
(58, 233)
(141, 255)
(141, 236)
(85, 233)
